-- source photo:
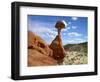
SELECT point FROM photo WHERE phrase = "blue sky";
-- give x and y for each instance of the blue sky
(75, 31)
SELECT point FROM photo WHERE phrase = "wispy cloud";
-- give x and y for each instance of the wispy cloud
(74, 18)
(74, 34)
(74, 41)
(44, 26)
(42, 29)
(77, 40)
(65, 29)
(74, 27)
(69, 23)
(64, 34)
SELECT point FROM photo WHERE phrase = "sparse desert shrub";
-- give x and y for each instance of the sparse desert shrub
(75, 58)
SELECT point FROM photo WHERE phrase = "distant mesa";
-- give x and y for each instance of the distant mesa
(76, 47)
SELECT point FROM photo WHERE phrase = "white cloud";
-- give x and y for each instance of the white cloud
(74, 34)
(74, 27)
(74, 41)
(64, 33)
(50, 34)
(74, 18)
(77, 40)
(65, 29)
(43, 30)
(68, 27)
(69, 23)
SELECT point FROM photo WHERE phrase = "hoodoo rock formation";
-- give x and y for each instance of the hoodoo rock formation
(40, 54)
(58, 50)
(56, 45)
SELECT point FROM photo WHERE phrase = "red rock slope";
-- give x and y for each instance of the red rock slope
(39, 54)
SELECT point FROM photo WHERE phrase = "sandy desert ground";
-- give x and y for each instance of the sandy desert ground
(75, 58)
